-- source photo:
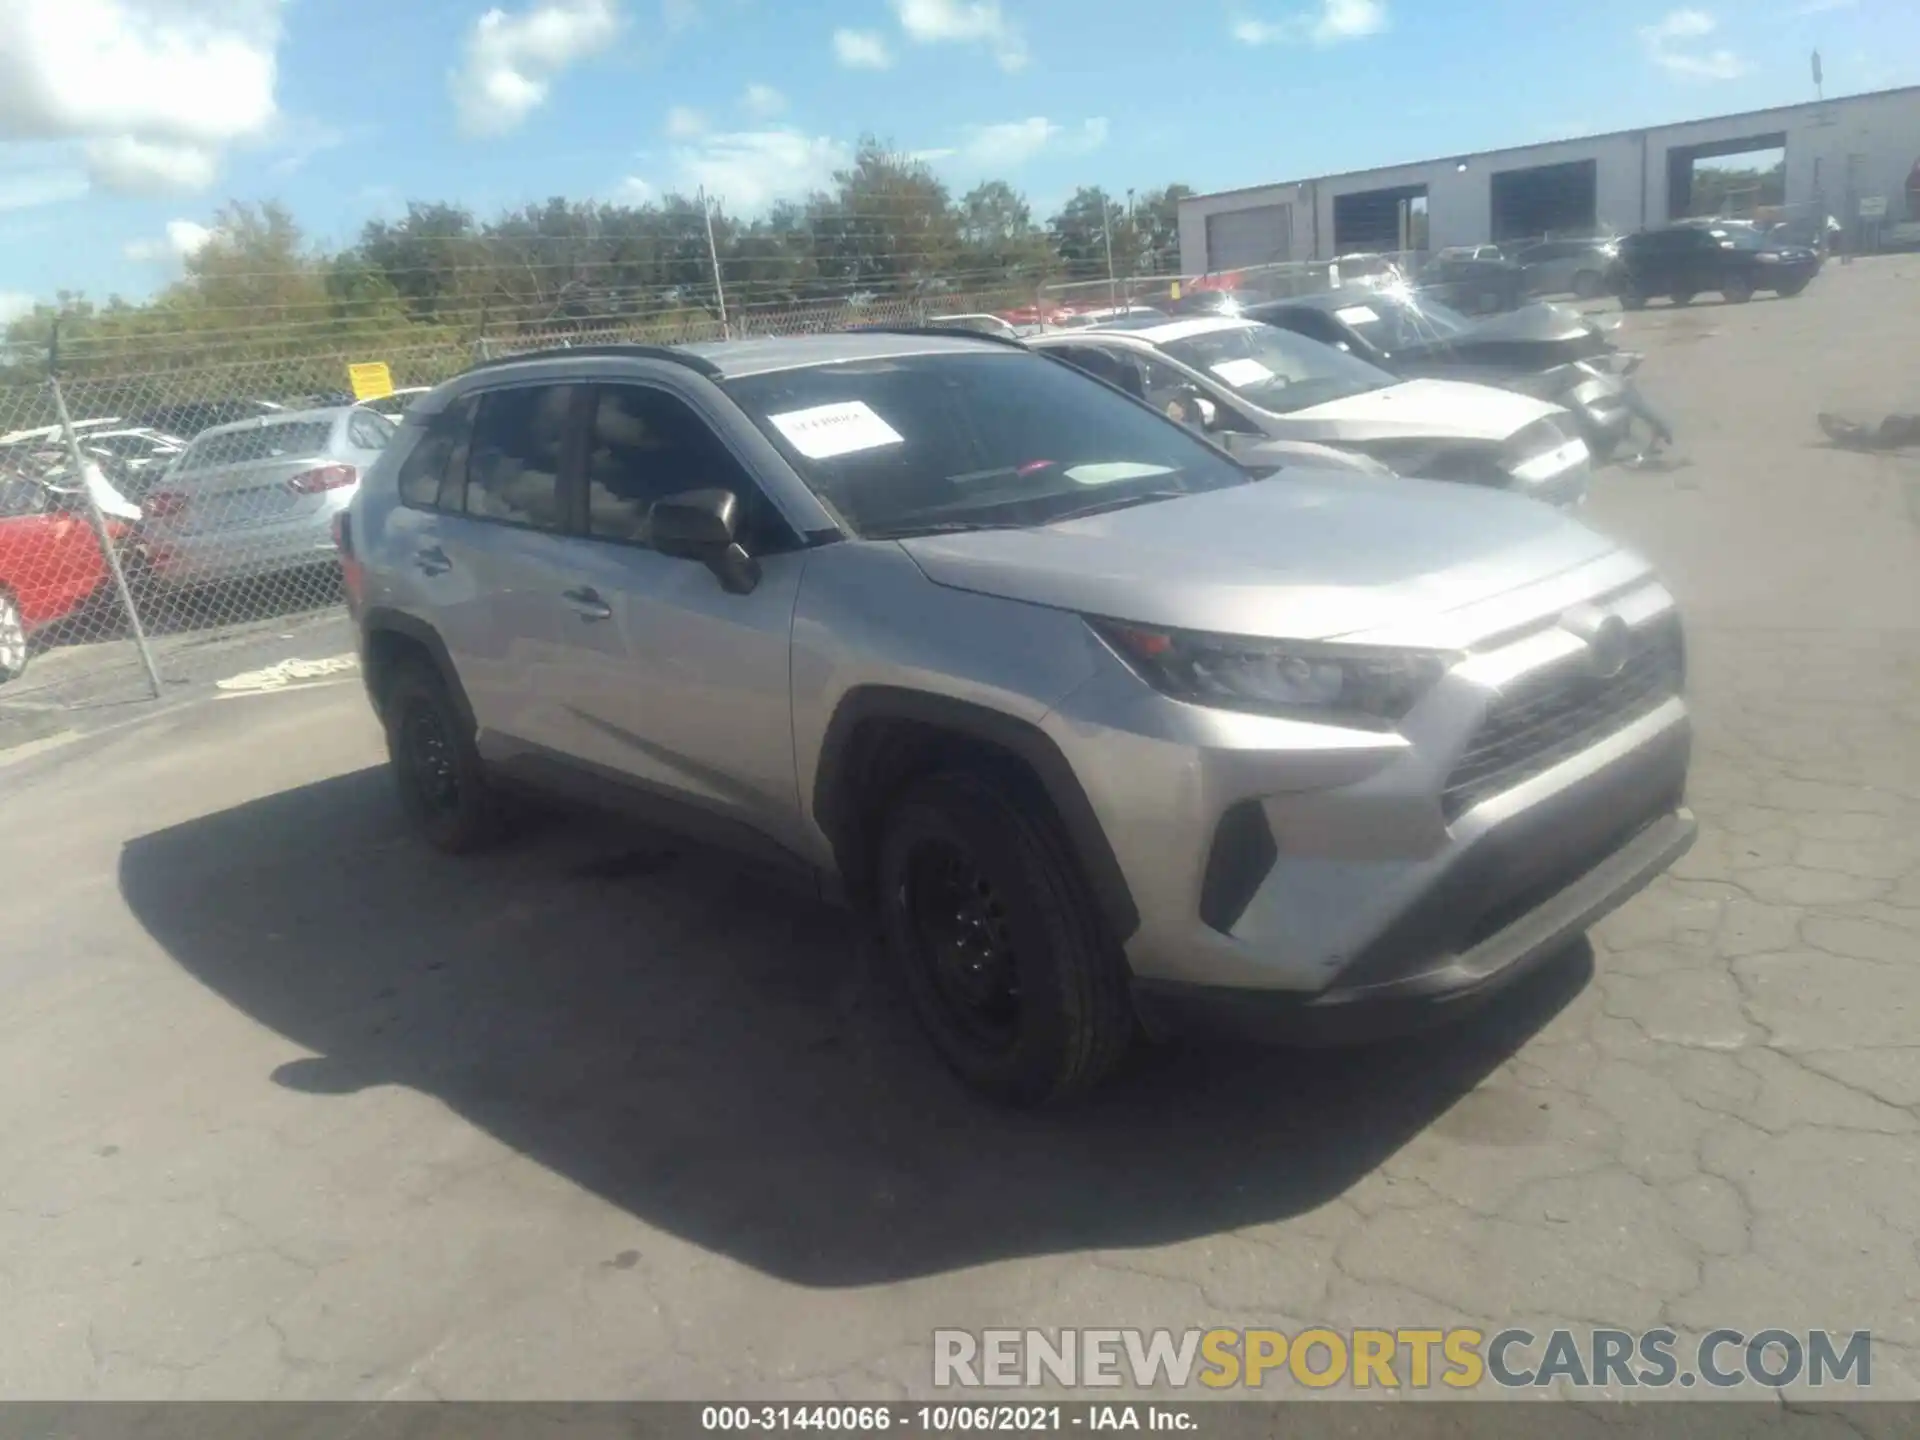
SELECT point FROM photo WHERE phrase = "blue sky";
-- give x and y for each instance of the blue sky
(124, 124)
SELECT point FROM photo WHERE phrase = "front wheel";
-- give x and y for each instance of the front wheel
(1587, 285)
(1632, 297)
(1010, 970)
(13, 639)
(1737, 291)
(1788, 291)
(1683, 297)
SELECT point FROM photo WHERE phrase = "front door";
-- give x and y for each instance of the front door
(666, 678)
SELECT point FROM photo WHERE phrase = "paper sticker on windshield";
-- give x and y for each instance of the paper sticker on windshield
(1356, 315)
(1242, 372)
(824, 431)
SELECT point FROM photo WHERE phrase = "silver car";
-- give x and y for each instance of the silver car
(257, 497)
(1568, 267)
(1104, 732)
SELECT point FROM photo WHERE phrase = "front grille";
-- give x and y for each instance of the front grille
(1548, 717)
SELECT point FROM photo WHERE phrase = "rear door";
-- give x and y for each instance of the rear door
(496, 556)
(664, 677)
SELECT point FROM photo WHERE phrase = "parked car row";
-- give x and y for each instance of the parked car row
(1112, 724)
(244, 498)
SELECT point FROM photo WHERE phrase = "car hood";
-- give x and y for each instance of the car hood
(1307, 555)
(1419, 410)
(1536, 323)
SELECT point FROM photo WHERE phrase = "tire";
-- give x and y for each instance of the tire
(1025, 996)
(1738, 290)
(1683, 297)
(14, 650)
(441, 780)
(1632, 297)
(1587, 284)
(1787, 292)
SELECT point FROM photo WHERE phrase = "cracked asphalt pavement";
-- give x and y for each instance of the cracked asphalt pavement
(294, 1109)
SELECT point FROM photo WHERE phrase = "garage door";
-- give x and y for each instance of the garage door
(1261, 236)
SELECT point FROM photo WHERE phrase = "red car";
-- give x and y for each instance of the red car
(50, 564)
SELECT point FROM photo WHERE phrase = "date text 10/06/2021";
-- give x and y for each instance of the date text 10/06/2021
(948, 1419)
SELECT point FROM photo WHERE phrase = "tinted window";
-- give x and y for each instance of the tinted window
(513, 468)
(644, 445)
(435, 472)
(961, 440)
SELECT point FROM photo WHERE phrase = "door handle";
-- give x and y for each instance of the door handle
(587, 604)
(432, 561)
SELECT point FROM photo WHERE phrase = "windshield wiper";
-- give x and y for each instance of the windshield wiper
(1123, 502)
(941, 527)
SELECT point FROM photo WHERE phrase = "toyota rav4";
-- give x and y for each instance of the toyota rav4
(1107, 733)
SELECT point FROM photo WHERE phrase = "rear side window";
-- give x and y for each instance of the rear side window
(435, 474)
(513, 464)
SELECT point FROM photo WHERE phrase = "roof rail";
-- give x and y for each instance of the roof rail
(698, 363)
(941, 332)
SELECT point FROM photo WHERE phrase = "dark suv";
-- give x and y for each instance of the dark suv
(1682, 261)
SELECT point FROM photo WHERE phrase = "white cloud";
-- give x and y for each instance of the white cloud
(861, 50)
(512, 60)
(1014, 142)
(157, 87)
(13, 305)
(635, 191)
(748, 170)
(1334, 22)
(183, 238)
(1691, 64)
(941, 22)
(683, 122)
(763, 101)
(149, 167)
(678, 15)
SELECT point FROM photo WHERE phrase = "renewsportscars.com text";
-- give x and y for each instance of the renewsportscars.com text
(1456, 1359)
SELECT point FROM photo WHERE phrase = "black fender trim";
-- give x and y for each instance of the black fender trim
(1022, 739)
(398, 622)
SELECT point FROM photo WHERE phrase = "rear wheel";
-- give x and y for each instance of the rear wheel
(437, 769)
(1737, 290)
(13, 639)
(1009, 968)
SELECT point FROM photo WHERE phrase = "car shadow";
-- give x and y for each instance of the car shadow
(730, 1063)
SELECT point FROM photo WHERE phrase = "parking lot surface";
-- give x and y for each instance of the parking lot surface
(294, 1108)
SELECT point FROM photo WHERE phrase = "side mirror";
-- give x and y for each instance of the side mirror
(701, 525)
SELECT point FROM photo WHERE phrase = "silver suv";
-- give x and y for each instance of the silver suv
(1107, 732)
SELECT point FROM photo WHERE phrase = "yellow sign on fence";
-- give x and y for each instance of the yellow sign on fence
(371, 381)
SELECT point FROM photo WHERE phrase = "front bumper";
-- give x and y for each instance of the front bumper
(1450, 985)
(1337, 880)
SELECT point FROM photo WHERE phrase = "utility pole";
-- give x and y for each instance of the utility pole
(713, 254)
(1819, 84)
(1106, 230)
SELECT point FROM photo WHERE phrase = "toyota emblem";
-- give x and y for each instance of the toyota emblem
(1608, 640)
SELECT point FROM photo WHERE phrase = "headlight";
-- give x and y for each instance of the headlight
(1348, 684)
(1767, 258)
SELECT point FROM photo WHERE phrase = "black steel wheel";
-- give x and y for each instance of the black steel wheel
(984, 912)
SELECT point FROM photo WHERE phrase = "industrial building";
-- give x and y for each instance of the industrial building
(1857, 158)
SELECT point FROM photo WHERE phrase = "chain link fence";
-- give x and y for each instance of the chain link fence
(162, 515)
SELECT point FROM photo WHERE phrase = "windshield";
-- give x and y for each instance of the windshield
(920, 443)
(1277, 370)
